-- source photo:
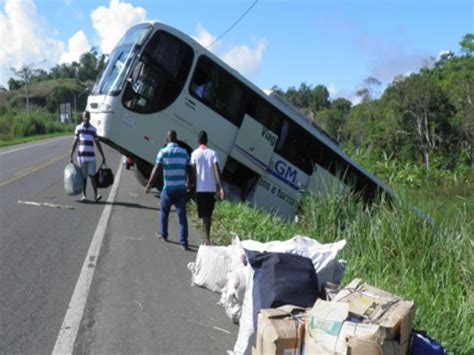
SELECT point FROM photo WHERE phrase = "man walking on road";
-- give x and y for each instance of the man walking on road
(206, 174)
(86, 135)
(173, 162)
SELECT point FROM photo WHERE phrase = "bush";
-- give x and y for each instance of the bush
(17, 125)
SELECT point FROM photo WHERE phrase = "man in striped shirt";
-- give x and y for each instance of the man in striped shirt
(86, 135)
(173, 162)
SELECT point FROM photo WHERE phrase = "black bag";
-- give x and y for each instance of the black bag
(282, 278)
(104, 177)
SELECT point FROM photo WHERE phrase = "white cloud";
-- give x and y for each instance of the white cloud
(242, 58)
(112, 22)
(205, 38)
(77, 45)
(24, 37)
(245, 59)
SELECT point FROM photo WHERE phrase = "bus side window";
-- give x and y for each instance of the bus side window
(296, 148)
(264, 113)
(218, 90)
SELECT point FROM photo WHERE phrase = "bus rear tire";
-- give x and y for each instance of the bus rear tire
(143, 172)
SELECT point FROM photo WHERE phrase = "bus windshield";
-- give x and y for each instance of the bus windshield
(113, 77)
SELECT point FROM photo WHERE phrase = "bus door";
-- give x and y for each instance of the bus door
(254, 145)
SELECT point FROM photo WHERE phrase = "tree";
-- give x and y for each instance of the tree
(318, 99)
(422, 110)
(333, 119)
(88, 66)
(370, 89)
(14, 84)
(457, 77)
(467, 44)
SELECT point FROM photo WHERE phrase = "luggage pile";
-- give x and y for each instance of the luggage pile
(286, 298)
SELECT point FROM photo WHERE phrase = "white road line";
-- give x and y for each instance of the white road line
(70, 327)
(32, 146)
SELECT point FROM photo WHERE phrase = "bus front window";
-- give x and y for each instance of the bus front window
(158, 77)
(113, 77)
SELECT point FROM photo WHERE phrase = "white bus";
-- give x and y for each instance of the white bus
(158, 79)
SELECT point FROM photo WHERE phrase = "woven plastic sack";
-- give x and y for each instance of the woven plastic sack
(73, 181)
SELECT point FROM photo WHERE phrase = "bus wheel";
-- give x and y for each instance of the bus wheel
(143, 172)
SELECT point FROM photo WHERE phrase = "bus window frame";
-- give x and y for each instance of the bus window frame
(223, 75)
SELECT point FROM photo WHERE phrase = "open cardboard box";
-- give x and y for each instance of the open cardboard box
(392, 313)
(328, 332)
(280, 331)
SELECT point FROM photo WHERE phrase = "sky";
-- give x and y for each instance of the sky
(336, 43)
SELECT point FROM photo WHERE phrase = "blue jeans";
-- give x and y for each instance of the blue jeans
(178, 199)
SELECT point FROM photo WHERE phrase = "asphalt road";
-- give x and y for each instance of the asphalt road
(140, 301)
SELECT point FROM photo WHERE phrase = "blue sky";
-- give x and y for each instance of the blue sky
(279, 42)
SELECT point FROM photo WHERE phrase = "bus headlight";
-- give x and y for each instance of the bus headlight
(105, 107)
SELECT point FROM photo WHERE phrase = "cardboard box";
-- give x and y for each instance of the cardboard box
(328, 332)
(280, 331)
(361, 346)
(392, 313)
(323, 325)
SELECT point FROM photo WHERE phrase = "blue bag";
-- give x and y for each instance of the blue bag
(73, 181)
(422, 344)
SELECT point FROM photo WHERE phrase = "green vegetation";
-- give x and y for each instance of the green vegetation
(391, 248)
(16, 127)
(425, 119)
(24, 120)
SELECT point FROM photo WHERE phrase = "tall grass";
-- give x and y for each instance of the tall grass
(390, 247)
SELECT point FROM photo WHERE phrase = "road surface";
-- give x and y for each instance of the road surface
(140, 300)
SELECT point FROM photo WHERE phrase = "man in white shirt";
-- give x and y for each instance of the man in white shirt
(206, 175)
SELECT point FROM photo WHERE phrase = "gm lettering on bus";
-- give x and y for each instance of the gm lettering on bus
(286, 171)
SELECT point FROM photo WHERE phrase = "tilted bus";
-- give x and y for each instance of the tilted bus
(158, 78)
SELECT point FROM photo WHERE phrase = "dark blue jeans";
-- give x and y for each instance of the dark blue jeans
(178, 199)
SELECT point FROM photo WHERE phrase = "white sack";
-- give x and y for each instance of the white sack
(212, 265)
(233, 293)
(210, 268)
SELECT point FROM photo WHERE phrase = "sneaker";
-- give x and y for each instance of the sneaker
(83, 198)
(185, 247)
(98, 198)
(162, 238)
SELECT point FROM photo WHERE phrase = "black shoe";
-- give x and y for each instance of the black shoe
(185, 247)
(162, 238)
